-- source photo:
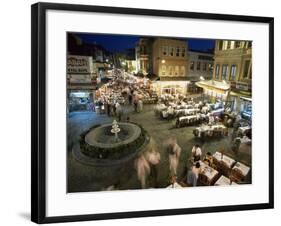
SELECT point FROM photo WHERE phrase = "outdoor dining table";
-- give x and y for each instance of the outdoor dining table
(223, 163)
(207, 128)
(229, 162)
(191, 111)
(223, 180)
(243, 168)
(207, 172)
(186, 111)
(179, 111)
(183, 106)
(218, 127)
(244, 129)
(188, 117)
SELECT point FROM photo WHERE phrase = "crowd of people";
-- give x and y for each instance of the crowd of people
(146, 165)
(121, 91)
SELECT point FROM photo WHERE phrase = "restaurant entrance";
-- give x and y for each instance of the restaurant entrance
(176, 89)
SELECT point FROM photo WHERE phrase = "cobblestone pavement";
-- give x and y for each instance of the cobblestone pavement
(88, 178)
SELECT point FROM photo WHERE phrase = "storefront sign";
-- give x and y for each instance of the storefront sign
(79, 64)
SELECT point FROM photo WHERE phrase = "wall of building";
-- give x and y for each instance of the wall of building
(200, 65)
(233, 64)
(232, 59)
(170, 58)
(144, 55)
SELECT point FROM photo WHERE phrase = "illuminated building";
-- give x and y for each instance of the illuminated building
(232, 74)
(143, 55)
(170, 64)
(200, 65)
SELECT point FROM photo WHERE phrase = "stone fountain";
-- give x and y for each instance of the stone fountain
(108, 152)
(111, 144)
(115, 129)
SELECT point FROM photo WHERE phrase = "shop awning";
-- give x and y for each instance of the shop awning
(213, 84)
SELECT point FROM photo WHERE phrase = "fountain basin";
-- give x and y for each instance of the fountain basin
(100, 144)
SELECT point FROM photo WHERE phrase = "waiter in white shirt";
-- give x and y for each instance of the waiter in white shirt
(196, 153)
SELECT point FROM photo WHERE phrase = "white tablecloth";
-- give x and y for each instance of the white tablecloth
(187, 117)
(243, 129)
(208, 171)
(224, 181)
(244, 169)
(227, 160)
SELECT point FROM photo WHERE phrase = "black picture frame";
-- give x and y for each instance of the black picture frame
(38, 110)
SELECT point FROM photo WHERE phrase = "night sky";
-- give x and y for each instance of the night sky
(118, 43)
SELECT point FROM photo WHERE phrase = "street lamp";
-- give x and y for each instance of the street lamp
(163, 61)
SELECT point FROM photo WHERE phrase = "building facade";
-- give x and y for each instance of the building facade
(170, 64)
(81, 82)
(233, 63)
(143, 53)
(200, 65)
(232, 74)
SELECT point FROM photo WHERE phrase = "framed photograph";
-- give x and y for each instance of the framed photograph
(139, 112)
